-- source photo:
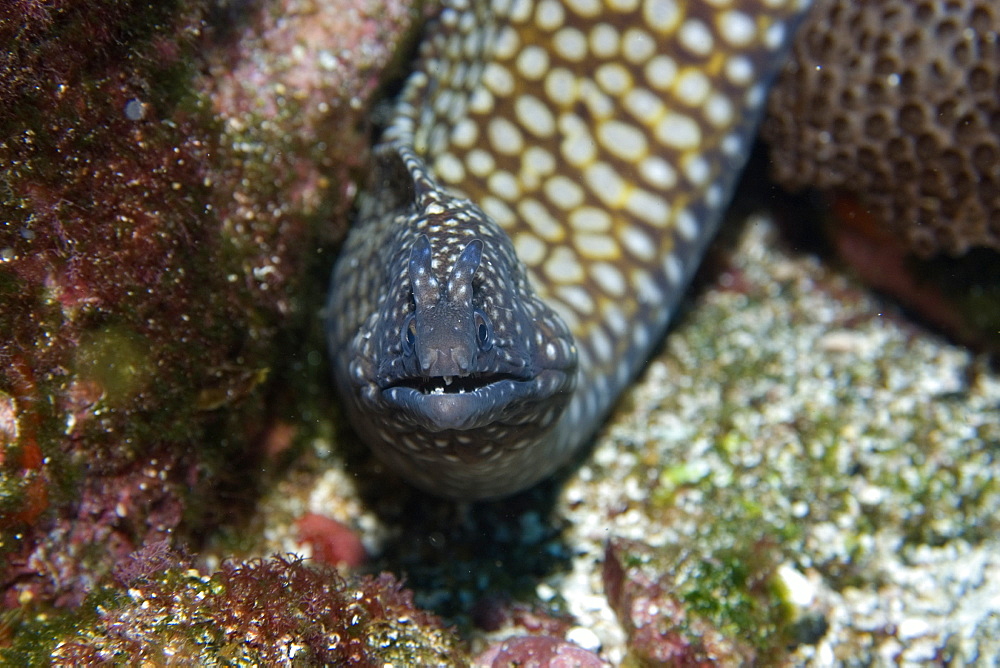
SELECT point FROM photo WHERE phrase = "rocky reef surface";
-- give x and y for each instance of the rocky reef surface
(168, 175)
(803, 475)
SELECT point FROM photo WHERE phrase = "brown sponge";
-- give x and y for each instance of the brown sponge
(897, 103)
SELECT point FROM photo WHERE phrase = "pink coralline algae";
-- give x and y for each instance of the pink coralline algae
(538, 652)
(331, 542)
(167, 172)
(680, 609)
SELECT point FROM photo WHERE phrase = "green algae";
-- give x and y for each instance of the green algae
(853, 445)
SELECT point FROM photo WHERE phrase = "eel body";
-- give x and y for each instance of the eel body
(550, 180)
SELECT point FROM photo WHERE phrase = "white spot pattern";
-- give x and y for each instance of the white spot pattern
(603, 136)
(658, 95)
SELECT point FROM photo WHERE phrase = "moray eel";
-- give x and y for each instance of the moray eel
(549, 182)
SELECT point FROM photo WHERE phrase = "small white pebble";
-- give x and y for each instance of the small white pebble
(545, 592)
(824, 655)
(801, 592)
(584, 637)
(870, 495)
(842, 342)
(911, 627)
(327, 60)
(135, 110)
(573, 494)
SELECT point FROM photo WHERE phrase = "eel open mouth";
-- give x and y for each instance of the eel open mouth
(453, 384)
(468, 402)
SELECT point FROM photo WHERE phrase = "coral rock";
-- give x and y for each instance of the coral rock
(898, 103)
(538, 652)
(167, 172)
(660, 620)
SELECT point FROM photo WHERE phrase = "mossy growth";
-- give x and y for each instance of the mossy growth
(738, 591)
(682, 606)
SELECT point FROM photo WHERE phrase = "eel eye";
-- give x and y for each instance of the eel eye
(484, 331)
(408, 335)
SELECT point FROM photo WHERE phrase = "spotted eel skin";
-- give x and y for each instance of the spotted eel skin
(550, 180)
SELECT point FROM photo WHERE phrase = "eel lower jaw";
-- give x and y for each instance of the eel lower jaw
(468, 403)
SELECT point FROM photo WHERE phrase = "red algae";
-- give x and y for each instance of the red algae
(275, 611)
(166, 175)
